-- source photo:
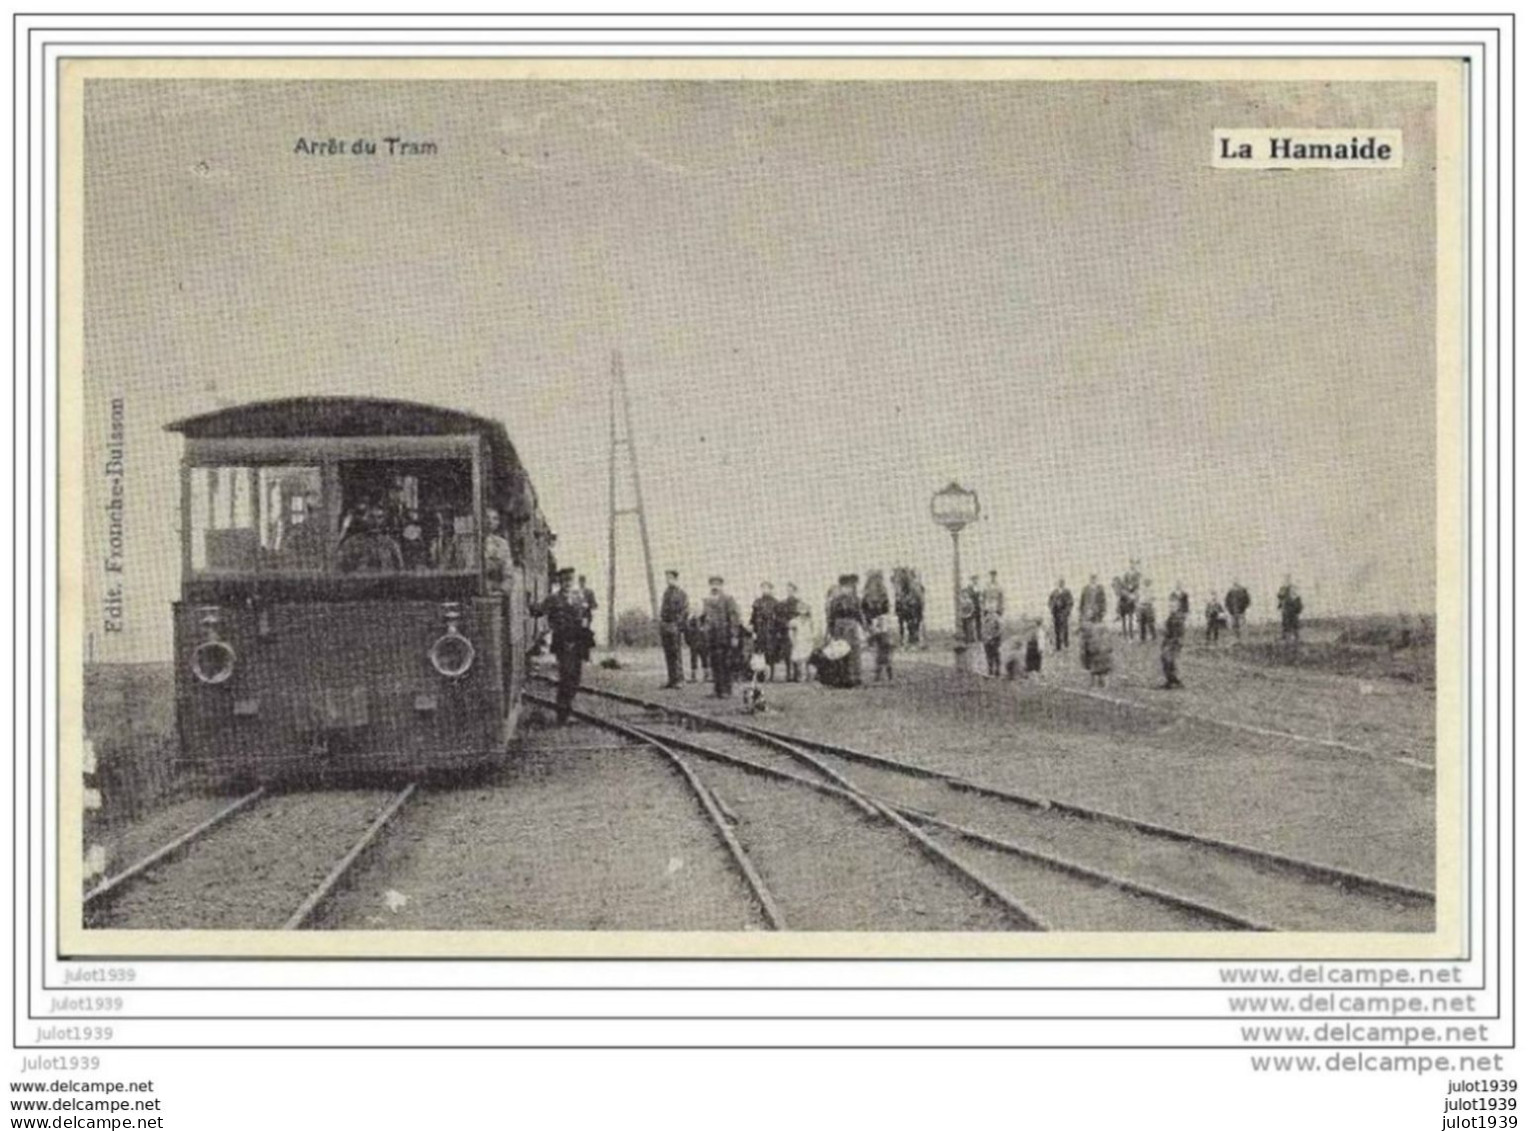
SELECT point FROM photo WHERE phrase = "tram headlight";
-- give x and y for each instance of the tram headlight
(213, 662)
(453, 654)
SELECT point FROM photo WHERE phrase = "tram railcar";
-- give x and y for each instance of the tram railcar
(357, 580)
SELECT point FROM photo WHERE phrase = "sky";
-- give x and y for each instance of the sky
(830, 300)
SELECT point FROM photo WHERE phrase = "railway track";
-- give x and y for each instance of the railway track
(1068, 866)
(255, 864)
(859, 860)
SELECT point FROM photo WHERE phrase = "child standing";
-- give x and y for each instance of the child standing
(1097, 651)
(1032, 656)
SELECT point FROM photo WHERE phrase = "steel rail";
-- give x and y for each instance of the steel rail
(111, 884)
(846, 788)
(1311, 869)
(1061, 863)
(760, 890)
(324, 889)
(918, 817)
(871, 807)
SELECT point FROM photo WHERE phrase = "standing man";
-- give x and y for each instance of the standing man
(992, 596)
(1128, 595)
(1238, 601)
(1061, 614)
(1290, 608)
(992, 640)
(673, 616)
(971, 611)
(724, 624)
(564, 613)
(1095, 602)
(1172, 644)
(992, 607)
(1131, 581)
(1214, 620)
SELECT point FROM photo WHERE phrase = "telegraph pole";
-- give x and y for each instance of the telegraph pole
(621, 437)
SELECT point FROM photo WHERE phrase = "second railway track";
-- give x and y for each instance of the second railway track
(830, 860)
(1070, 866)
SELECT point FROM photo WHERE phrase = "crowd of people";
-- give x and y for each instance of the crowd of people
(1136, 615)
(782, 633)
(778, 633)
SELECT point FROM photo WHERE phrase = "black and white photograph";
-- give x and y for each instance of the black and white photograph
(763, 508)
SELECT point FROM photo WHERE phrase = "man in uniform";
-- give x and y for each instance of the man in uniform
(1094, 606)
(1061, 614)
(724, 624)
(1238, 601)
(564, 613)
(673, 617)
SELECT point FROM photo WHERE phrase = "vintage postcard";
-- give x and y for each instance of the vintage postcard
(794, 508)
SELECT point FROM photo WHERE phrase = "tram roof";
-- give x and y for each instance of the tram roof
(295, 417)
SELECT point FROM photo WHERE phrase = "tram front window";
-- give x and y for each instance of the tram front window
(403, 516)
(247, 519)
(349, 517)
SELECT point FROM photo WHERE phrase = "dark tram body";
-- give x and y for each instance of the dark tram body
(357, 579)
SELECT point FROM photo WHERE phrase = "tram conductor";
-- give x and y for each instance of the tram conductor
(673, 617)
(564, 612)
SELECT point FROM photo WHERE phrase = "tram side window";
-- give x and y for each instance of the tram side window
(405, 516)
(245, 519)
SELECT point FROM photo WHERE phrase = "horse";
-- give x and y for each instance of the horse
(875, 601)
(1124, 608)
(909, 604)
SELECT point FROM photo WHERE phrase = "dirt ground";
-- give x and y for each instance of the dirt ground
(577, 833)
(1203, 759)
(581, 832)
